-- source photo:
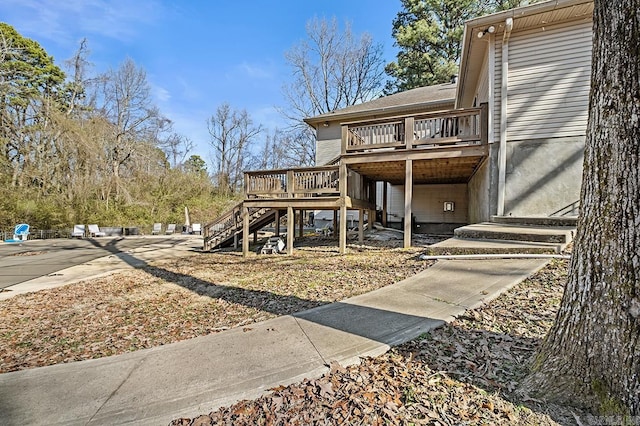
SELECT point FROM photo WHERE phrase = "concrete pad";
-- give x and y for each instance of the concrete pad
(495, 246)
(499, 231)
(469, 283)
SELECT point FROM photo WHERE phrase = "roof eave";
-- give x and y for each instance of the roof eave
(495, 18)
(391, 110)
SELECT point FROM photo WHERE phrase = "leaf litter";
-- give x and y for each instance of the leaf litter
(184, 298)
(464, 373)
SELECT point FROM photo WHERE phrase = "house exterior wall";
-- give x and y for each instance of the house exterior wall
(328, 143)
(482, 90)
(428, 203)
(549, 81)
(479, 194)
(543, 176)
(547, 110)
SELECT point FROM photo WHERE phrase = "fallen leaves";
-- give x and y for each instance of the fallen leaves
(177, 300)
(465, 372)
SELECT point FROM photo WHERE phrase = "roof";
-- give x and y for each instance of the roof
(430, 96)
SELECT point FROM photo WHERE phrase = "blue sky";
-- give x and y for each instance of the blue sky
(197, 54)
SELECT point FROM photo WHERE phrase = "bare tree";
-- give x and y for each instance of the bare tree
(592, 354)
(232, 135)
(176, 147)
(331, 69)
(127, 104)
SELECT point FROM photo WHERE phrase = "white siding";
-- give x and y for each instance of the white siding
(497, 87)
(482, 91)
(549, 78)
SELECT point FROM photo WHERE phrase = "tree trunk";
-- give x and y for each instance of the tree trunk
(591, 356)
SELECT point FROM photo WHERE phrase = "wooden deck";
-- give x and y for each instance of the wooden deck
(444, 147)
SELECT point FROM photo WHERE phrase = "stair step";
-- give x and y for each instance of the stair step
(570, 221)
(497, 231)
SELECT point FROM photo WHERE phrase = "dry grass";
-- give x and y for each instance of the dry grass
(172, 301)
(464, 373)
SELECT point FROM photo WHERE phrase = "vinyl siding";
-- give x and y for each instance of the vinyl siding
(497, 88)
(549, 81)
(482, 91)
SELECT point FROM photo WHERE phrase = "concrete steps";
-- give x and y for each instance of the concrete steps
(510, 235)
(556, 221)
(529, 233)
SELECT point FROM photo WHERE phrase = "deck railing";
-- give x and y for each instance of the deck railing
(299, 182)
(433, 130)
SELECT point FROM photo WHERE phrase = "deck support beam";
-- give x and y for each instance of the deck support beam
(361, 226)
(408, 199)
(277, 224)
(291, 222)
(384, 203)
(245, 232)
(342, 221)
(301, 234)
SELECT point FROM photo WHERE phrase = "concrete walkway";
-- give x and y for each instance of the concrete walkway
(48, 264)
(199, 375)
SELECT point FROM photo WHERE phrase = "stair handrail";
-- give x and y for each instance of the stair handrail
(222, 224)
(231, 222)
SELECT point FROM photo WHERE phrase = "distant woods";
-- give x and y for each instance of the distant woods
(78, 147)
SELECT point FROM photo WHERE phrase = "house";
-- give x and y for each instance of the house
(506, 140)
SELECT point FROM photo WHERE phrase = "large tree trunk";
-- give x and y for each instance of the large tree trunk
(591, 356)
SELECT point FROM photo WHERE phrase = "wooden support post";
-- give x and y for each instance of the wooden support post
(384, 204)
(255, 237)
(290, 229)
(343, 139)
(277, 228)
(373, 199)
(361, 226)
(342, 222)
(408, 198)
(409, 125)
(301, 234)
(235, 241)
(335, 223)
(245, 232)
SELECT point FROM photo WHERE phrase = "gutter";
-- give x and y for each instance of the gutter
(502, 152)
(494, 256)
(375, 113)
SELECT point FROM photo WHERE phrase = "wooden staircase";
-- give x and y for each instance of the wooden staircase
(223, 231)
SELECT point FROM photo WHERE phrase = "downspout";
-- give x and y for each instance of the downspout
(502, 153)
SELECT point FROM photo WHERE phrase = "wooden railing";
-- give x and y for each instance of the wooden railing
(228, 224)
(299, 182)
(222, 227)
(433, 130)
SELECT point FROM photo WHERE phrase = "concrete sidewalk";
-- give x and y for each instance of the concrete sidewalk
(92, 263)
(199, 375)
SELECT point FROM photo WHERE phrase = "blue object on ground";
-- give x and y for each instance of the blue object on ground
(20, 233)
